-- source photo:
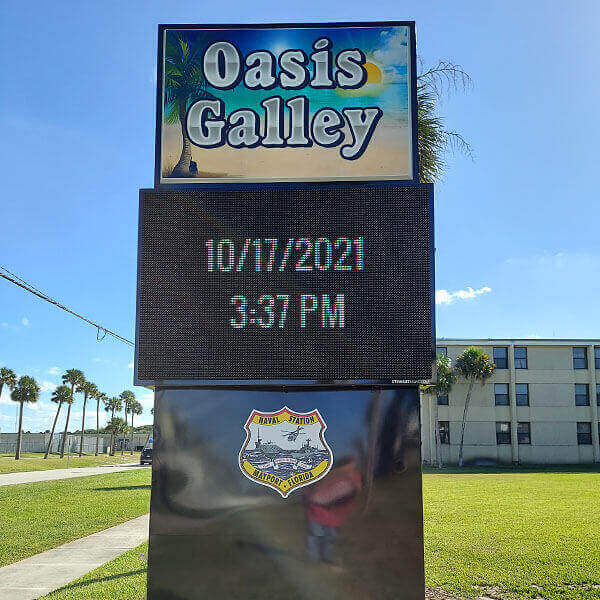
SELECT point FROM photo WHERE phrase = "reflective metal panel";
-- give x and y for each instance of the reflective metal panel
(355, 533)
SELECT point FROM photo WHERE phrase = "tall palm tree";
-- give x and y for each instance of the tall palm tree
(445, 379)
(128, 398)
(89, 390)
(136, 409)
(74, 378)
(100, 397)
(60, 395)
(26, 390)
(8, 378)
(184, 84)
(472, 365)
(113, 405)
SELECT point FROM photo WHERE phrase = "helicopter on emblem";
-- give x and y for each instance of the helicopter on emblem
(292, 436)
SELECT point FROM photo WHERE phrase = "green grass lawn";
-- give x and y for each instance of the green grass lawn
(35, 461)
(38, 516)
(519, 534)
(123, 578)
(532, 534)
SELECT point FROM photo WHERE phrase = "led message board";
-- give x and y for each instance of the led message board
(321, 282)
(300, 102)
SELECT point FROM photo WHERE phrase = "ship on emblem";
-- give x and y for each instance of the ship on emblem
(285, 450)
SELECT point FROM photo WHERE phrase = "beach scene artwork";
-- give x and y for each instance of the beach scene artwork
(286, 104)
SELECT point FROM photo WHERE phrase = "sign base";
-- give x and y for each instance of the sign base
(354, 533)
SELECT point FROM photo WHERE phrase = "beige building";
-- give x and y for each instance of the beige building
(540, 406)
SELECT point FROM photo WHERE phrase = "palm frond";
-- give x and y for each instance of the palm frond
(434, 140)
(445, 77)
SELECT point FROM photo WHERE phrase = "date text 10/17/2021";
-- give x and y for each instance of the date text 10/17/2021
(302, 254)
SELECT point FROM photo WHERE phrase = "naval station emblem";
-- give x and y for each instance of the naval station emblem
(285, 450)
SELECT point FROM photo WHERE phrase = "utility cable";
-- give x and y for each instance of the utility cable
(101, 331)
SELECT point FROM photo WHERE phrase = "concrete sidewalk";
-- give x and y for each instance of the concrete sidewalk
(36, 576)
(52, 474)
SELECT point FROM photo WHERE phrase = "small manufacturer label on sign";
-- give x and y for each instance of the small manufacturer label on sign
(285, 450)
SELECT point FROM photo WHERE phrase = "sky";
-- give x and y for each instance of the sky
(517, 251)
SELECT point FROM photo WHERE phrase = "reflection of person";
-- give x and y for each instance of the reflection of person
(193, 168)
(328, 504)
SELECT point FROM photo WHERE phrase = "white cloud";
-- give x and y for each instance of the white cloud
(446, 297)
(25, 321)
(96, 359)
(393, 48)
(146, 399)
(557, 260)
(48, 386)
(54, 371)
(393, 53)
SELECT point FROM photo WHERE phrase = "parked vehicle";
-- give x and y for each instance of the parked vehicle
(146, 456)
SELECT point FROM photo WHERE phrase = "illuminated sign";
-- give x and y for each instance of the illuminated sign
(299, 102)
(305, 282)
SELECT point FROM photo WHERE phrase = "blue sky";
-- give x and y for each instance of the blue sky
(518, 226)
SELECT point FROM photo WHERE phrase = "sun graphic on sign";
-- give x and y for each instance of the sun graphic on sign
(374, 74)
(373, 86)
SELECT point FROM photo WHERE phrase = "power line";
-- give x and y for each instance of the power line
(101, 331)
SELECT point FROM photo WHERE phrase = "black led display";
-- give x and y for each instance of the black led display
(327, 283)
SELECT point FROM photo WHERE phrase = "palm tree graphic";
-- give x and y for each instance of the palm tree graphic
(184, 84)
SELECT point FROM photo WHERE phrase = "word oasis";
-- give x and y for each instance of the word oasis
(286, 123)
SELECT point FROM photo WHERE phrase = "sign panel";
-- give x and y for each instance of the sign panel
(299, 102)
(308, 282)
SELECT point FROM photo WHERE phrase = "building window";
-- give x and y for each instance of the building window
(503, 432)
(598, 394)
(582, 397)
(501, 394)
(597, 357)
(522, 390)
(580, 357)
(584, 434)
(442, 350)
(524, 432)
(444, 431)
(442, 400)
(501, 357)
(520, 357)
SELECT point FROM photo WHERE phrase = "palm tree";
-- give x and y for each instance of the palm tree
(89, 390)
(472, 365)
(116, 426)
(8, 378)
(128, 398)
(113, 405)
(184, 84)
(60, 395)
(26, 390)
(100, 397)
(136, 409)
(74, 378)
(445, 379)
